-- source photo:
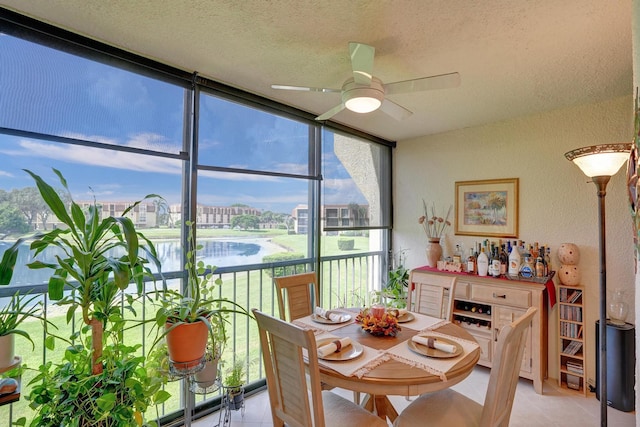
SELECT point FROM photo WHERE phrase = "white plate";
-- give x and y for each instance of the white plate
(349, 352)
(434, 352)
(318, 319)
(407, 317)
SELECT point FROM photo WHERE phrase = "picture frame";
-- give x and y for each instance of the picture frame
(487, 208)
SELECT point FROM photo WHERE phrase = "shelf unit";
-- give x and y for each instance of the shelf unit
(571, 334)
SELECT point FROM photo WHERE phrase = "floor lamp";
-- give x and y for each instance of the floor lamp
(600, 163)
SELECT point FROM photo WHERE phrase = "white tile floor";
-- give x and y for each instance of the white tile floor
(555, 408)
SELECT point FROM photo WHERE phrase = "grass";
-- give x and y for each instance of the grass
(252, 289)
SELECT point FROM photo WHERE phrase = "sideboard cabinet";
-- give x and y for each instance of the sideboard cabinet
(483, 305)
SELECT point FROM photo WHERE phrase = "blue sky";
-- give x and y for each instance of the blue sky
(48, 91)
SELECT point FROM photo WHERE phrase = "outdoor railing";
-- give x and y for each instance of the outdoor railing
(346, 280)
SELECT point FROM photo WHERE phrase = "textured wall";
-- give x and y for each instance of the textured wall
(557, 204)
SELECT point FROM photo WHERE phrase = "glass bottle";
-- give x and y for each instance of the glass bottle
(527, 269)
(514, 261)
(483, 263)
(471, 262)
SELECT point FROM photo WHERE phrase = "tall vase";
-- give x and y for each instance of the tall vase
(434, 252)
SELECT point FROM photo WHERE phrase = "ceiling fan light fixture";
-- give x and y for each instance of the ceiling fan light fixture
(362, 104)
(363, 99)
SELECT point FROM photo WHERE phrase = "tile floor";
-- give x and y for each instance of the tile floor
(555, 408)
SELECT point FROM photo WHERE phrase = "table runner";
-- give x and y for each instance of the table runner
(435, 366)
(370, 359)
(318, 328)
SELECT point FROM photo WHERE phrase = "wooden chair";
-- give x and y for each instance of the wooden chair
(449, 408)
(435, 297)
(301, 292)
(294, 385)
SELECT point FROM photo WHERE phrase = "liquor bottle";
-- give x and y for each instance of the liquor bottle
(483, 263)
(540, 267)
(504, 261)
(489, 253)
(514, 261)
(547, 259)
(528, 268)
(457, 255)
(495, 262)
(471, 263)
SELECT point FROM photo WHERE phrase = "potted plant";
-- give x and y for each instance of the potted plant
(191, 320)
(233, 384)
(20, 308)
(395, 290)
(100, 381)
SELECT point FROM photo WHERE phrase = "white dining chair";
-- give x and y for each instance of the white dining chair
(297, 295)
(434, 296)
(449, 408)
(294, 385)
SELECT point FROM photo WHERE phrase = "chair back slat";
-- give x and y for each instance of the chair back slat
(505, 371)
(283, 349)
(297, 295)
(434, 296)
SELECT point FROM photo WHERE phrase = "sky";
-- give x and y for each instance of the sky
(51, 92)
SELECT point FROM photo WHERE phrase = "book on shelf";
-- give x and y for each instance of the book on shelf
(573, 348)
(575, 296)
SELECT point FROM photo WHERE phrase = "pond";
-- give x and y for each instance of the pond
(219, 253)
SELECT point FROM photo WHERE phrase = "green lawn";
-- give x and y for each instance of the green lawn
(252, 290)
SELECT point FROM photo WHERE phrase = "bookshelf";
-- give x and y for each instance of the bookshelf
(571, 334)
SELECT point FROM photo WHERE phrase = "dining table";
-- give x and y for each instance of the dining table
(381, 366)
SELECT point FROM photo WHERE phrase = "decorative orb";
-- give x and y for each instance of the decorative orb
(569, 275)
(569, 254)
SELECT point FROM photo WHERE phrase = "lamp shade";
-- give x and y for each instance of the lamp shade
(600, 160)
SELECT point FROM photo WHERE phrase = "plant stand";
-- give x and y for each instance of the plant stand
(186, 371)
(228, 404)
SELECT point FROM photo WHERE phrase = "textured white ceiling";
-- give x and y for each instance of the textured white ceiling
(515, 57)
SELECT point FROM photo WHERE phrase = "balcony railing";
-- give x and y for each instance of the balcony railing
(345, 280)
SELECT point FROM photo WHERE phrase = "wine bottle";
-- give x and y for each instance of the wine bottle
(471, 263)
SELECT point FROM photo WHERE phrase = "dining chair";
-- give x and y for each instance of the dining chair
(301, 292)
(434, 296)
(449, 408)
(293, 383)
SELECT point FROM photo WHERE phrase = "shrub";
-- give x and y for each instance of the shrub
(282, 256)
(346, 244)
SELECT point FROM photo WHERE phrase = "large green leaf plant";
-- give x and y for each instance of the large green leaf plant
(101, 381)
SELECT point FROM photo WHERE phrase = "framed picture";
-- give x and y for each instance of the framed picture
(487, 208)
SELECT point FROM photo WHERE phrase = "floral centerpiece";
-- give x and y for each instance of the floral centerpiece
(385, 325)
(434, 226)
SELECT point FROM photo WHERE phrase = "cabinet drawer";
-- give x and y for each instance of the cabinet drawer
(496, 295)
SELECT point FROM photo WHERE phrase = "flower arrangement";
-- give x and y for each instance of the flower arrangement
(387, 325)
(434, 226)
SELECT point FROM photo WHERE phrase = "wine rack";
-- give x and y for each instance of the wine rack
(472, 315)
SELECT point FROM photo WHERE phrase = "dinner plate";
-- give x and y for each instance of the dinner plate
(407, 317)
(350, 352)
(433, 352)
(319, 319)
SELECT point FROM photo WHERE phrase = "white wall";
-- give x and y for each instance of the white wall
(557, 204)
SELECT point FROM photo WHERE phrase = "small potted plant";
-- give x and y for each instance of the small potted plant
(188, 322)
(233, 384)
(395, 290)
(20, 308)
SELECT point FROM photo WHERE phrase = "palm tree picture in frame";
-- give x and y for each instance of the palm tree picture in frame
(487, 208)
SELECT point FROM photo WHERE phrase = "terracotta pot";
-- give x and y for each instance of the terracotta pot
(7, 348)
(434, 252)
(186, 343)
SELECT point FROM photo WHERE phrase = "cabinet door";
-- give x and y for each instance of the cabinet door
(504, 316)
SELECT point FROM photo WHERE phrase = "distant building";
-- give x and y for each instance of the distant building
(144, 215)
(213, 216)
(333, 216)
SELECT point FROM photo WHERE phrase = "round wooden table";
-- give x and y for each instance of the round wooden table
(393, 377)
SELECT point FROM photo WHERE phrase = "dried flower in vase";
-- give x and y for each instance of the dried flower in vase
(434, 226)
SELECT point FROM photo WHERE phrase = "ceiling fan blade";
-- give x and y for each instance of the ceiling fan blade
(335, 110)
(305, 89)
(396, 111)
(442, 81)
(361, 62)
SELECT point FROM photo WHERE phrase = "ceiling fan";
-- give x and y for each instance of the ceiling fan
(364, 93)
